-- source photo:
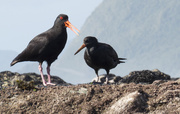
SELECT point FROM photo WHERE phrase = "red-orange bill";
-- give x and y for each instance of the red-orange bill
(69, 25)
(83, 46)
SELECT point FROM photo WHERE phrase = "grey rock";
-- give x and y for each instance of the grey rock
(178, 80)
(83, 91)
(157, 82)
(132, 102)
(8, 78)
(80, 91)
(145, 76)
(167, 103)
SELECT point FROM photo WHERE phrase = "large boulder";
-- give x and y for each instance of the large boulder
(132, 102)
(145, 76)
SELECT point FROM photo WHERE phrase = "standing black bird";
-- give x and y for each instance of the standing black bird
(47, 46)
(99, 55)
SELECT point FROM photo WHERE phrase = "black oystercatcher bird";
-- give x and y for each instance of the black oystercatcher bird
(47, 46)
(99, 55)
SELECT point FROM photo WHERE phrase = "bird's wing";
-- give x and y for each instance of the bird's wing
(34, 48)
(37, 44)
(111, 53)
(108, 51)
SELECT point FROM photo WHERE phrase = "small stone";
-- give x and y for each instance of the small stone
(83, 91)
(6, 84)
(111, 79)
(135, 101)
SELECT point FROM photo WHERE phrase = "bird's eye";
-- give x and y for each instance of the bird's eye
(61, 18)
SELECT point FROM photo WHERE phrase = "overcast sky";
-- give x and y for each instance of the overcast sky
(22, 20)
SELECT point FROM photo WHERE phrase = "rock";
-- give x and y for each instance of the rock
(13, 80)
(132, 102)
(83, 91)
(178, 80)
(8, 78)
(167, 102)
(167, 96)
(157, 82)
(80, 91)
(5, 84)
(145, 76)
(111, 79)
(162, 98)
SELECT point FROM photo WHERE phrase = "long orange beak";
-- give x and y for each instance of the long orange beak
(83, 46)
(69, 25)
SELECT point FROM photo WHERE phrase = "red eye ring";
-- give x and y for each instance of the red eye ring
(61, 18)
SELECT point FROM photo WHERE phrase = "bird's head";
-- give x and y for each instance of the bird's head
(88, 42)
(63, 20)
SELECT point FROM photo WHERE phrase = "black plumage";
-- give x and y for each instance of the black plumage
(99, 55)
(47, 45)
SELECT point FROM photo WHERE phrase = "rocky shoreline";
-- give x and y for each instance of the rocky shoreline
(8, 78)
(139, 92)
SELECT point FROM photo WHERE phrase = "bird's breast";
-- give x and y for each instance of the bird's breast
(91, 57)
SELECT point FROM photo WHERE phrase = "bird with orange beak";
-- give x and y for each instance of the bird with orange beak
(47, 46)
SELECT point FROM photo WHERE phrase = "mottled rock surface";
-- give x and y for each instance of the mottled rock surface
(145, 76)
(131, 102)
(159, 97)
(8, 78)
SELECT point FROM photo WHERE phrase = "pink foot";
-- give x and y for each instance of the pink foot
(44, 84)
(49, 83)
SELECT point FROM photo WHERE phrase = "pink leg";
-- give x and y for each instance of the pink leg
(42, 76)
(49, 76)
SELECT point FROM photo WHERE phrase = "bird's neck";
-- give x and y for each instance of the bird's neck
(58, 29)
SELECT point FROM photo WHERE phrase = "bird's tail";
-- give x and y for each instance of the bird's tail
(121, 59)
(14, 62)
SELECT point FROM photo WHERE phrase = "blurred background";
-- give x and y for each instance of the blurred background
(144, 32)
